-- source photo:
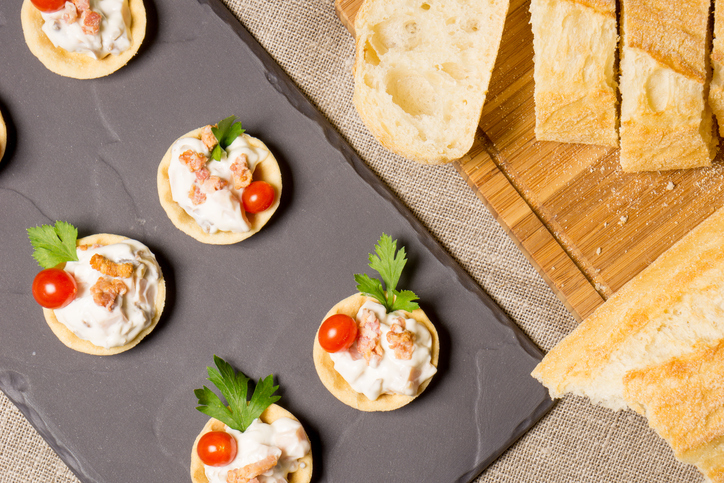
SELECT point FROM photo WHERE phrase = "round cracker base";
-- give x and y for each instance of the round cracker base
(3, 136)
(71, 340)
(336, 384)
(72, 64)
(267, 170)
(271, 414)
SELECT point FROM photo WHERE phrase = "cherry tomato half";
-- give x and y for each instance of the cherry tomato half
(54, 288)
(216, 448)
(257, 197)
(337, 333)
(48, 5)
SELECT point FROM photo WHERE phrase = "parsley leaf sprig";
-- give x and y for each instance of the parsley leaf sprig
(54, 244)
(240, 413)
(226, 132)
(389, 264)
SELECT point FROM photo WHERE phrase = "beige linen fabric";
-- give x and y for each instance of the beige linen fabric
(575, 442)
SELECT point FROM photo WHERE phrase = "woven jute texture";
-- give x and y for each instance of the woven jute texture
(575, 442)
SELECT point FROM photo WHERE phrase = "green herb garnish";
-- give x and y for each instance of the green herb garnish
(225, 133)
(54, 244)
(240, 413)
(389, 264)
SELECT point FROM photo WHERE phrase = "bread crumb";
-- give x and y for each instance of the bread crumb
(598, 251)
(670, 186)
(623, 220)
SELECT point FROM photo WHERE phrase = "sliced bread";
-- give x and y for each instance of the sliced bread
(575, 89)
(665, 121)
(421, 73)
(716, 88)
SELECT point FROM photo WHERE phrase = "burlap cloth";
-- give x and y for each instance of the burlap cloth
(575, 442)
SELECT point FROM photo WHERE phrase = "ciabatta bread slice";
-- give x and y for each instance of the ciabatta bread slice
(665, 121)
(716, 88)
(683, 400)
(575, 90)
(656, 347)
(421, 73)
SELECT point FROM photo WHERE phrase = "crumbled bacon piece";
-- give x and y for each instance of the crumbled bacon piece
(111, 268)
(214, 183)
(82, 5)
(70, 13)
(368, 338)
(401, 341)
(208, 138)
(193, 160)
(241, 173)
(248, 473)
(90, 22)
(202, 175)
(106, 290)
(197, 197)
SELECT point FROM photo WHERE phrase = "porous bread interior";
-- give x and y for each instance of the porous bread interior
(336, 384)
(575, 88)
(422, 71)
(71, 340)
(3, 136)
(665, 121)
(270, 414)
(267, 170)
(716, 88)
(672, 308)
(72, 64)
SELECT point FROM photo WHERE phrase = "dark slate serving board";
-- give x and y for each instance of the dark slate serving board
(87, 152)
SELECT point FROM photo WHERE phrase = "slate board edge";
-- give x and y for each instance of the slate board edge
(285, 86)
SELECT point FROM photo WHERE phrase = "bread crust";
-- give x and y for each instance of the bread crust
(418, 91)
(71, 340)
(575, 90)
(336, 384)
(72, 64)
(266, 170)
(665, 121)
(683, 400)
(270, 414)
(716, 88)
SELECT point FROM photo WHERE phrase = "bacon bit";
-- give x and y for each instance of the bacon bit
(214, 183)
(401, 341)
(197, 197)
(248, 473)
(202, 175)
(106, 290)
(241, 173)
(82, 5)
(110, 268)
(208, 138)
(70, 14)
(368, 340)
(90, 22)
(193, 160)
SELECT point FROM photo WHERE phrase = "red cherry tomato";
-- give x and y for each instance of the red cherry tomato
(337, 333)
(48, 5)
(216, 448)
(257, 197)
(54, 288)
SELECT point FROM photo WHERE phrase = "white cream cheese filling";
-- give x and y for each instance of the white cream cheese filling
(132, 312)
(284, 438)
(389, 375)
(114, 36)
(222, 210)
